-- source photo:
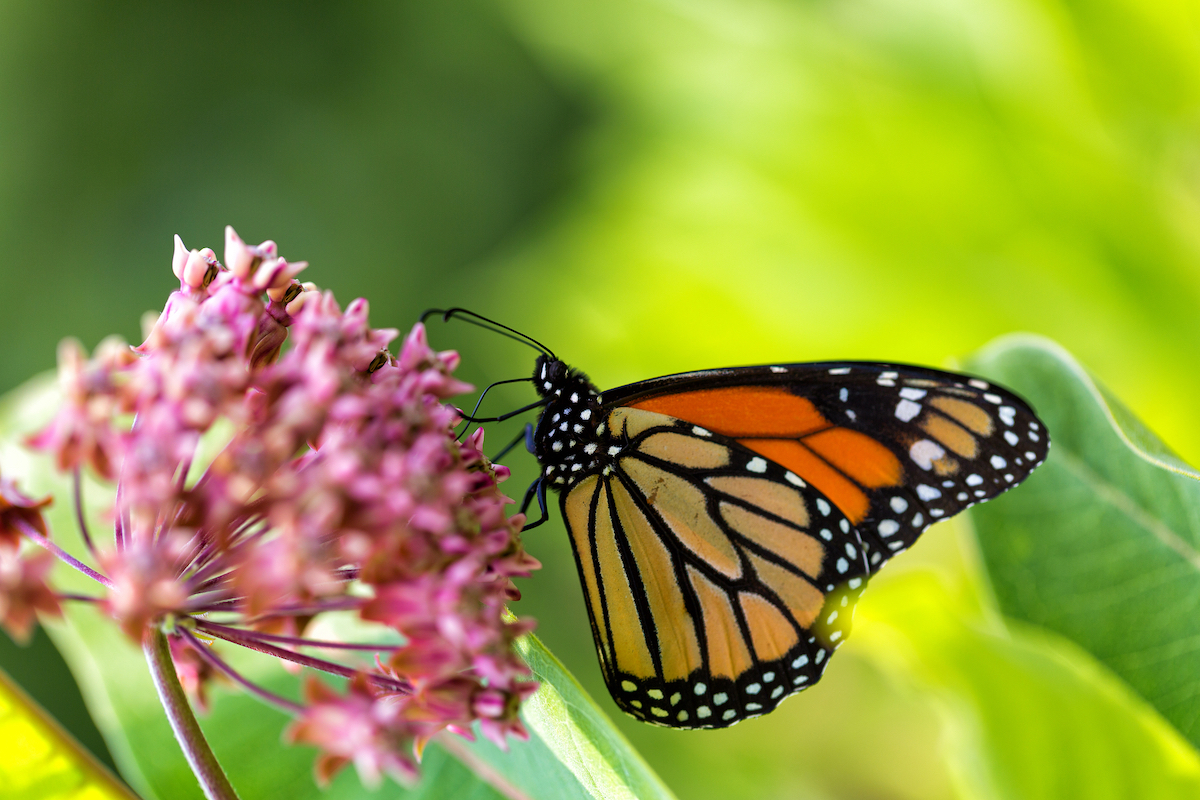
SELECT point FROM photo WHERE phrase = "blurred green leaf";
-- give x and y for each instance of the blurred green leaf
(574, 749)
(40, 761)
(1102, 544)
(1028, 715)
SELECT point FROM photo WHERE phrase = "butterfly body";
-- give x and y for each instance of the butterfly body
(724, 522)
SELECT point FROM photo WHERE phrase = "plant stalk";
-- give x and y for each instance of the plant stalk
(191, 739)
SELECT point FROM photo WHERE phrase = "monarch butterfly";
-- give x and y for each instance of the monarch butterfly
(724, 522)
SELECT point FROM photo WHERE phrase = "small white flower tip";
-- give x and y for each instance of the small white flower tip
(180, 258)
(239, 258)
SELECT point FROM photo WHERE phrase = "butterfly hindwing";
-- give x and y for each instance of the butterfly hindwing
(895, 447)
(717, 581)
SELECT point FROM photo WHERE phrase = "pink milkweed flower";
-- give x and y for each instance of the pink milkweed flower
(24, 592)
(338, 485)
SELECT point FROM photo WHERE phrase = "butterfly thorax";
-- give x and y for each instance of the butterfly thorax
(568, 441)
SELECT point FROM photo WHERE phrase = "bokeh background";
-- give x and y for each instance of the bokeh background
(649, 187)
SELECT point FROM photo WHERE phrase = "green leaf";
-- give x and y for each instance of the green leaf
(574, 750)
(40, 761)
(1027, 714)
(1102, 543)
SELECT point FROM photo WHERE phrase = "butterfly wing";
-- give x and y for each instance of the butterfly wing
(717, 581)
(895, 447)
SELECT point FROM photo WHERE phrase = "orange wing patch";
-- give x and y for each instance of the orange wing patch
(630, 652)
(968, 414)
(770, 630)
(678, 647)
(682, 507)
(950, 434)
(686, 451)
(578, 510)
(799, 549)
(801, 598)
(728, 656)
(862, 458)
(790, 453)
(782, 501)
(788, 429)
(741, 411)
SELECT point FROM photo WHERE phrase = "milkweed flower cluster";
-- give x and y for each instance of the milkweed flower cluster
(340, 486)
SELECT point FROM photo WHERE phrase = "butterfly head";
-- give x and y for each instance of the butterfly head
(567, 439)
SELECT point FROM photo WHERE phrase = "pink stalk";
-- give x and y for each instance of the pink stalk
(79, 518)
(298, 641)
(66, 557)
(250, 686)
(248, 641)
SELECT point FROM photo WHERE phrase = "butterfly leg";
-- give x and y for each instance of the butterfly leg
(526, 434)
(537, 488)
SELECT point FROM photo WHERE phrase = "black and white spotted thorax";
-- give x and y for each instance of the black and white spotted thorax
(570, 441)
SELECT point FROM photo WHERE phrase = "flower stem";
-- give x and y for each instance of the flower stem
(191, 739)
(70, 560)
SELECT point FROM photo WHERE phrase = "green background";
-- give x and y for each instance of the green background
(651, 187)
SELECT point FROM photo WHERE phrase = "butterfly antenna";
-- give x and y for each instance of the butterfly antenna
(482, 395)
(488, 324)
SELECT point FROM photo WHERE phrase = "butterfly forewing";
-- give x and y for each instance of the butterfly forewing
(717, 581)
(896, 448)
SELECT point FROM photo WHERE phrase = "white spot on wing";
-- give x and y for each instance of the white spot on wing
(840, 371)
(910, 393)
(906, 410)
(778, 369)
(924, 453)
(757, 465)
(898, 504)
(794, 479)
(1008, 414)
(823, 506)
(928, 493)
(888, 527)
